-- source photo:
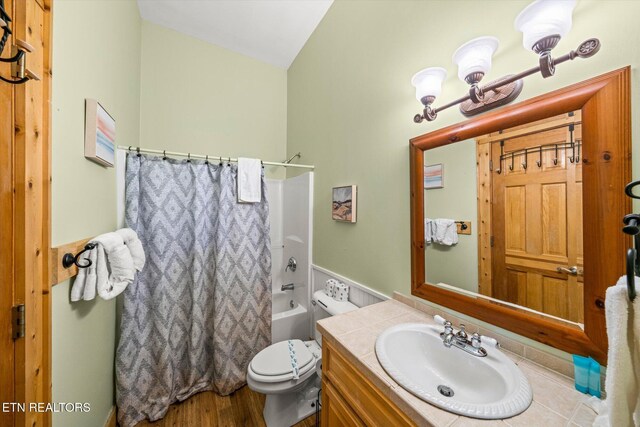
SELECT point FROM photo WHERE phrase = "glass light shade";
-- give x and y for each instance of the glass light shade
(428, 82)
(475, 56)
(544, 18)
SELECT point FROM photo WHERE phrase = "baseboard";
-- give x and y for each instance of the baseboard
(111, 420)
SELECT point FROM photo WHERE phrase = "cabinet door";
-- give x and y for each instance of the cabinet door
(335, 412)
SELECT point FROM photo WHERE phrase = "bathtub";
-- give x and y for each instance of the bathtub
(289, 319)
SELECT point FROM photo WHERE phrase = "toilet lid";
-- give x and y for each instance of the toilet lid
(275, 359)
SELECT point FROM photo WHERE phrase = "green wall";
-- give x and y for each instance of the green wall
(351, 105)
(198, 97)
(455, 265)
(96, 54)
(166, 91)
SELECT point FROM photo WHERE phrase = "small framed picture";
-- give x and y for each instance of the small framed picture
(434, 176)
(99, 134)
(344, 203)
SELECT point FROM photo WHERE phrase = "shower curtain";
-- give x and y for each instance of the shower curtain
(201, 307)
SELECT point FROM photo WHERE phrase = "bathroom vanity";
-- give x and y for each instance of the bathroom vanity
(356, 390)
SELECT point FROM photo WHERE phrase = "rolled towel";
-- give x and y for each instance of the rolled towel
(115, 268)
(341, 293)
(428, 230)
(134, 244)
(330, 287)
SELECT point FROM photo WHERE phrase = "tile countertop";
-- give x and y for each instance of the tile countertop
(555, 400)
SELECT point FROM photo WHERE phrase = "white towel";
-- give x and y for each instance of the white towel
(623, 371)
(112, 269)
(428, 230)
(134, 245)
(446, 232)
(84, 286)
(249, 180)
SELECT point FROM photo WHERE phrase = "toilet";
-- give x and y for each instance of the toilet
(271, 371)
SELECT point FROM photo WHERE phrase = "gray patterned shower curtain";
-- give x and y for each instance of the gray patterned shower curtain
(201, 307)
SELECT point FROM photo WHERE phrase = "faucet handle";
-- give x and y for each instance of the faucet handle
(461, 333)
(476, 340)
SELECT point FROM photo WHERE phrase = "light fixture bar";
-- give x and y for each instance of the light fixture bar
(587, 49)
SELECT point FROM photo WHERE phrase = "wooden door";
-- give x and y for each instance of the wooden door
(537, 220)
(7, 359)
(25, 375)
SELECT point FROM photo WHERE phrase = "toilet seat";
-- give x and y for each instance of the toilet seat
(273, 364)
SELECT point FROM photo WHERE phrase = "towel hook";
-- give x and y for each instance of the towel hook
(539, 162)
(69, 259)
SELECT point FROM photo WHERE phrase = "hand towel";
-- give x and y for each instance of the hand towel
(134, 245)
(428, 230)
(623, 371)
(108, 285)
(84, 285)
(341, 292)
(446, 232)
(249, 180)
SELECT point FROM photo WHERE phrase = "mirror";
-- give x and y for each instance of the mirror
(523, 216)
(516, 214)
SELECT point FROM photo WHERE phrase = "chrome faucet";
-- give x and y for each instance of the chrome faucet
(461, 339)
(287, 287)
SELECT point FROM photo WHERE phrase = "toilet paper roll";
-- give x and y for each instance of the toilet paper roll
(341, 292)
(330, 287)
(319, 368)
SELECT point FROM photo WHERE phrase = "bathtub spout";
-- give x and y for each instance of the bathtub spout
(288, 287)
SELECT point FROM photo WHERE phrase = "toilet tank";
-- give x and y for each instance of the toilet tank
(324, 306)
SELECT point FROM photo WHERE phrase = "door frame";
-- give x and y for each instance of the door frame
(30, 177)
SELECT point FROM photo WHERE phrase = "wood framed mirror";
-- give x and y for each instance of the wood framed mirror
(601, 107)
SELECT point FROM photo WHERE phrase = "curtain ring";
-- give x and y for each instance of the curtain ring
(220, 158)
(138, 151)
(229, 161)
(188, 157)
(262, 164)
(129, 148)
(206, 161)
(164, 154)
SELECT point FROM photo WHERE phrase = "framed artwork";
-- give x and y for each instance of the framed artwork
(99, 134)
(344, 203)
(434, 176)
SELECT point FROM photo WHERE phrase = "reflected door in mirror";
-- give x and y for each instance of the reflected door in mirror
(536, 210)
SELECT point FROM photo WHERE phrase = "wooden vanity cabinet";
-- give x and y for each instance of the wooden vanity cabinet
(351, 399)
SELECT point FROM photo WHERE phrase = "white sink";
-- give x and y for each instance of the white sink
(490, 387)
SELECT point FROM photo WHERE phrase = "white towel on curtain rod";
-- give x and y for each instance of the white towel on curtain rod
(249, 180)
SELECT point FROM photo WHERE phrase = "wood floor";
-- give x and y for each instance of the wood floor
(207, 409)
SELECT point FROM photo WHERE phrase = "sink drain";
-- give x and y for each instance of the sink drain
(445, 391)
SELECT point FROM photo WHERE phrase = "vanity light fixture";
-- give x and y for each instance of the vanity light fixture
(543, 23)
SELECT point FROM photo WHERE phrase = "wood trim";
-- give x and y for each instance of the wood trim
(543, 125)
(111, 420)
(58, 273)
(483, 179)
(32, 212)
(47, 81)
(605, 102)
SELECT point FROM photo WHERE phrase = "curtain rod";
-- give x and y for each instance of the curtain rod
(210, 157)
